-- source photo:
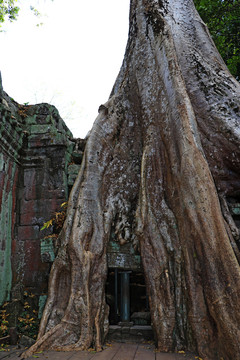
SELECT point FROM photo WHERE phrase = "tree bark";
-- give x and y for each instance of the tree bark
(160, 163)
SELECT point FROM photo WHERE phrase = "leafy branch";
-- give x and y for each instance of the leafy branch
(57, 220)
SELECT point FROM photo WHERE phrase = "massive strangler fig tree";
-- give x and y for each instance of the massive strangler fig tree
(163, 157)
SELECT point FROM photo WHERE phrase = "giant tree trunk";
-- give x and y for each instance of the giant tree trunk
(160, 162)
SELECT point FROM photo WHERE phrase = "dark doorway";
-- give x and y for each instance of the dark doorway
(127, 297)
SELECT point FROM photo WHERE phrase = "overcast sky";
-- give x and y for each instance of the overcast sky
(71, 61)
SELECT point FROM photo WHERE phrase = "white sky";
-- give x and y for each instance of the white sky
(71, 61)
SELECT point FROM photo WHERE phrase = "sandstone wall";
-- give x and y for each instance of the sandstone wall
(36, 149)
(11, 140)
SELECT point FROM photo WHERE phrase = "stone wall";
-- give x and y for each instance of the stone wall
(36, 149)
(11, 140)
(42, 189)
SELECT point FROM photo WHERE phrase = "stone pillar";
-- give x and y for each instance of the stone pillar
(125, 296)
(116, 292)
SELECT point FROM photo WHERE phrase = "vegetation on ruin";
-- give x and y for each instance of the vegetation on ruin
(57, 221)
(4, 327)
(27, 320)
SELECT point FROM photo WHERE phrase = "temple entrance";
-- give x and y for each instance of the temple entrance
(126, 295)
(127, 298)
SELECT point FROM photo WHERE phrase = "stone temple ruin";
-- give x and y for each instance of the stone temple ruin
(39, 162)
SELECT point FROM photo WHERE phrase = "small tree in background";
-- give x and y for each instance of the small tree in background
(223, 20)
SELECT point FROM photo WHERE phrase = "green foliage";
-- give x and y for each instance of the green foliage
(223, 20)
(4, 328)
(47, 224)
(8, 10)
(57, 220)
(35, 11)
(28, 322)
